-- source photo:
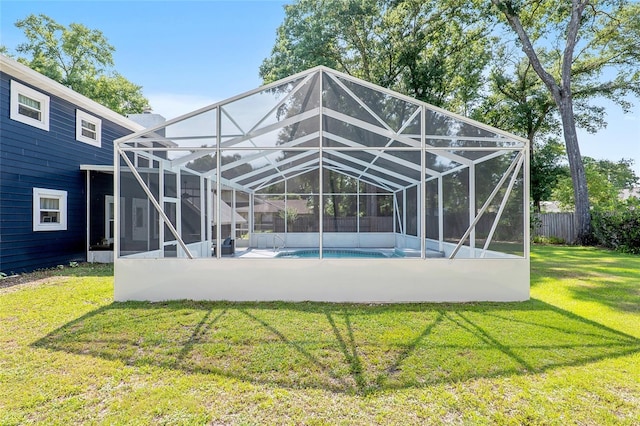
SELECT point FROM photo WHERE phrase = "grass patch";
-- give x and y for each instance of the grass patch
(570, 355)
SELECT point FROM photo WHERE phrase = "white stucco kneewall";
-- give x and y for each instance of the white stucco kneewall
(329, 280)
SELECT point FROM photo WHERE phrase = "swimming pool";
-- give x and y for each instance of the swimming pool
(339, 254)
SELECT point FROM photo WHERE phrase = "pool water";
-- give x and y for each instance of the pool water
(336, 254)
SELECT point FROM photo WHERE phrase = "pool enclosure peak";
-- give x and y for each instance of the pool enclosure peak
(281, 86)
(322, 161)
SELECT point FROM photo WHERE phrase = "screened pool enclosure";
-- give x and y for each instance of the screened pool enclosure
(323, 187)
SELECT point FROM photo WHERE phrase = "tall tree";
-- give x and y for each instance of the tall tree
(598, 36)
(519, 102)
(432, 50)
(79, 58)
(547, 169)
(606, 179)
(619, 173)
(435, 51)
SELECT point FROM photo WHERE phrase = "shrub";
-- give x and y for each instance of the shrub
(541, 239)
(618, 230)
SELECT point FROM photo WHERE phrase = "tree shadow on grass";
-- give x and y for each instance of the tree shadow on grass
(356, 349)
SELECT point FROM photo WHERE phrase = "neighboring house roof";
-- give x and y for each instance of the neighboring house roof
(625, 194)
(34, 78)
(275, 206)
(550, 207)
(226, 214)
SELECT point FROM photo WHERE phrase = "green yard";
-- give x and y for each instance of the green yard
(571, 355)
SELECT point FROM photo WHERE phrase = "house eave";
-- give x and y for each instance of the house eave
(34, 78)
(96, 168)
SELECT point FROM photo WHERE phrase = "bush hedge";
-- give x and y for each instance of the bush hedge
(618, 230)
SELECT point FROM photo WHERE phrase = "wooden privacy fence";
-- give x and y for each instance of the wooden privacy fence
(309, 223)
(559, 225)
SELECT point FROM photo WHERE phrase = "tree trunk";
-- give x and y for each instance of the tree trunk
(578, 177)
(562, 96)
(536, 200)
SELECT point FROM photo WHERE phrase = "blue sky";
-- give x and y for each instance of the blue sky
(188, 54)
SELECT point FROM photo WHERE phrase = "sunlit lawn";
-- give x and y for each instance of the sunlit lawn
(570, 355)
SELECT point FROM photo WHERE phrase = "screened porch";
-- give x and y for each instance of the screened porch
(318, 164)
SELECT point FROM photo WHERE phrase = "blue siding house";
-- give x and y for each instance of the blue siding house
(56, 178)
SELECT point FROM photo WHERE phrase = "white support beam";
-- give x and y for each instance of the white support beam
(342, 169)
(155, 203)
(203, 207)
(263, 152)
(252, 202)
(161, 201)
(358, 147)
(88, 213)
(178, 205)
(473, 139)
(440, 215)
(396, 215)
(389, 134)
(269, 180)
(233, 214)
(297, 171)
(282, 162)
(380, 152)
(387, 172)
(360, 102)
(380, 183)
(218, 197)
(181, 161)
(321, 169)
(404, 210)
(503, 204)
(423, 186)
(486, 205)
(209, 218)
(270, 128)
(282, 101)
(358, 208)
(388, 144)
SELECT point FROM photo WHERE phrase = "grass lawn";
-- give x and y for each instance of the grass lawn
(570, 355)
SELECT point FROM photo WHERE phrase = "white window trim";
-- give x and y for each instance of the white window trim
(39, 193)
(109, 199)
(81, 115)
(21, 89)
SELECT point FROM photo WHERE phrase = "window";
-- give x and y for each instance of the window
(29, 106)
(110, 212)
(140, 215)
(109, 215)
(49, 210)
(88, 128)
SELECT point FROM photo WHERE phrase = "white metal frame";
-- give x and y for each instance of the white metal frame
(342, 157)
